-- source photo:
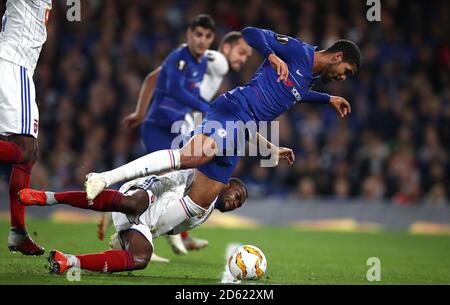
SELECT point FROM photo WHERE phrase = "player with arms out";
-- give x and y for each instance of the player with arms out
(232, 54)
(22, 36)
(143, 209)
(284, 79)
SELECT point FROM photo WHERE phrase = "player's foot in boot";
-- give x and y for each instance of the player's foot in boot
(59, 262)
(176, 243)
(192, 243)
(22, 242)
(29, 197)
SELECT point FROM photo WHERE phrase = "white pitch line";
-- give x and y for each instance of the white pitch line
(227, 277)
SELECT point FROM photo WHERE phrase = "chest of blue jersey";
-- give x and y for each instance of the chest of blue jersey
(278, 96)
(195, 71)
(182, 68)
(189, 70)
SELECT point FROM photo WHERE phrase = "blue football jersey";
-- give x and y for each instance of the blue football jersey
(177, 89)
(273, 97)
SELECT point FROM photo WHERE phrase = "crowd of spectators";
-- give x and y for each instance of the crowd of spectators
(393, 147)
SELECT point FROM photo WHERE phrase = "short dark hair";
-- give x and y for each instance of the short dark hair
(240, 183)
(350, 51)
(231, 38)
(203, 20)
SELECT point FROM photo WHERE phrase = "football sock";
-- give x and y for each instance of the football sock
(10, 152)
(153, 163)
(108, 261)
(106, 201)
(20, 179)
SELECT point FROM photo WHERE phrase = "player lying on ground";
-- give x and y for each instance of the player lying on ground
(143, 209)
(283, 80)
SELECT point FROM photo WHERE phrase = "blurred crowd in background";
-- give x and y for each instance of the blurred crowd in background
(394, 146)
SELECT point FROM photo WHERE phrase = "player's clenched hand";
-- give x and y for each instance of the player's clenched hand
(280, 67)
(286, 154)
(341, 105)
(133, 120)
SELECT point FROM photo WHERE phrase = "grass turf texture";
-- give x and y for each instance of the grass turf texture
(293, 256)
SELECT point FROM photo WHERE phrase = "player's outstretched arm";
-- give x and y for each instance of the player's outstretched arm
(341, 105)
(279, 153)
(145, 95)
(263, 42)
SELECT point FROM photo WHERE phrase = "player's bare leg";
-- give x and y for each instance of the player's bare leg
(103, 225)
(135, 254)
(116, 244)
(21, 152)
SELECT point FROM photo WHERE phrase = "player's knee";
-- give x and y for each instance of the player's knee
(142, 258)
(29, 154)
(29, 148)
(141, 261)
(138, 202)
(194, 160)
(198, 151)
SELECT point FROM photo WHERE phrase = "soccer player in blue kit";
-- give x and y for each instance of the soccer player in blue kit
(177, 89)
(284, 79)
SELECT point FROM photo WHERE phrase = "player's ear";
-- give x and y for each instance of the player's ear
(188, 33)
(226, 48)
(337, 57)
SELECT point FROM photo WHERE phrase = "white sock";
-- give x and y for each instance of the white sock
(154, 163)
(51, 200)
(73, 260)
(178, 210)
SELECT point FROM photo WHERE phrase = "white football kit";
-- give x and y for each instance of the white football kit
(22, 36)
(161, 191)
(215, 73)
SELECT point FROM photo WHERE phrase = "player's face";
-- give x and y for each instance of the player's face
(237, 54)
(338, 70)
(199, 40)
(232, 197)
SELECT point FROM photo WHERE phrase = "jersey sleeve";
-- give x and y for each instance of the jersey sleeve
(175, 85)
(316, 97)
(216, 71)
(217, 63)
(267, 42)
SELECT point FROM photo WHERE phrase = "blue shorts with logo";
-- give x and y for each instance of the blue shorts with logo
(224, 122)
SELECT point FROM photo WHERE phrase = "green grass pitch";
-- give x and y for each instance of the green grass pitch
(293, 256)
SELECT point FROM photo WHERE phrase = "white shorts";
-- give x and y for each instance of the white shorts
(18, 110)
(121, 222)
